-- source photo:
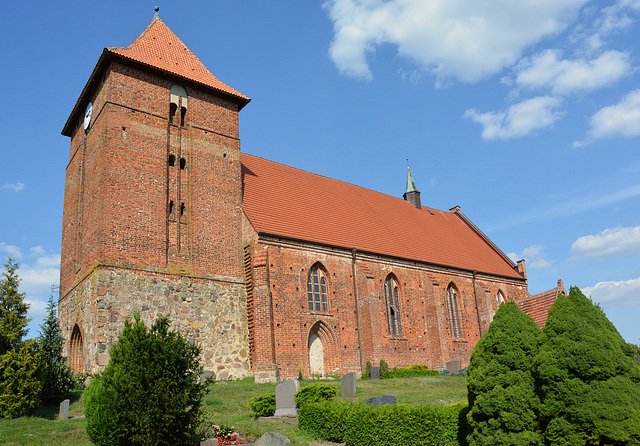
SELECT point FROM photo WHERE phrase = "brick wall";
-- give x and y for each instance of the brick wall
(426, 335)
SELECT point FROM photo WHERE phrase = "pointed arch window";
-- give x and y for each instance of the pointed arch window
(454, 312)
(500, 298)
(317, 290)
(391, 295)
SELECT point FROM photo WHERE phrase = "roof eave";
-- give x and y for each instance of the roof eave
(439, 265)
(106, 55)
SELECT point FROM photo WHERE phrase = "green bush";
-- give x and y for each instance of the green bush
(20, 380)
(360, 425)
(367, 373)
(503, 403)
(314, 394)
(150, 392)
(409, 372)
(384, 367)
(263, 405)
(587, 377)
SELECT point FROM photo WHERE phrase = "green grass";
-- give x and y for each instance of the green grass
(226, 403)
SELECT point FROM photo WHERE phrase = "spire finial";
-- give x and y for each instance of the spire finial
(156, 15)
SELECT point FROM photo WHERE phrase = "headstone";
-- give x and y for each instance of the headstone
(453, 367)
(384, 400)
(209, 442)
(64, 410)
(273, 439)
(348, 384)
(285, 402)
(375, 373)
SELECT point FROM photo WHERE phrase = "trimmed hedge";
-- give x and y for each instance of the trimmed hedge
(360, 425)
(412, 371)
(263, 405)
(314, 394)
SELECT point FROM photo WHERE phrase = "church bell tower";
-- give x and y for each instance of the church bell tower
(152, 209)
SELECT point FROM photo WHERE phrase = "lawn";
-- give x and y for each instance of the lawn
(226, 404)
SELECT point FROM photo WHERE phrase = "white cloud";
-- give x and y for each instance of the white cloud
(622, 119)
(534, 257)
(625, 293)
(11, 250)
(519, 120)
(613, 18)
(16, 187)
(467, 39)
(610, 242)
(548, 69)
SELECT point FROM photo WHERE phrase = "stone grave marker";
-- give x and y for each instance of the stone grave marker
(64, 410)
(285, 402)
(375, 373)
(273, 439)
(453, 367)
(384, 400)
(348, 385)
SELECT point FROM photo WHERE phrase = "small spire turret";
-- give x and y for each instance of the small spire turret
(412, 194)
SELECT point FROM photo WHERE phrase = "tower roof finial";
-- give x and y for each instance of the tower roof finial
(156, 15)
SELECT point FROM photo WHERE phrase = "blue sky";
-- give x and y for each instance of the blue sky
(526, 114)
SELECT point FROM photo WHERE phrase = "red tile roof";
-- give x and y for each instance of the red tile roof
(160, 48)
(537, 306)
(288, 202)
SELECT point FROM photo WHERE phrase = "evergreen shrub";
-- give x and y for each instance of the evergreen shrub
(20, 380)
(384, 367)
(314, 394)
(367, 373)
(360, 425)
(263, 405)
(150, 393)
(409, 372)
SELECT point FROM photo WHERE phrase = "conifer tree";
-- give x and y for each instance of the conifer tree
(13, 309)
(503, 404)
(58, 379)
(588, 380)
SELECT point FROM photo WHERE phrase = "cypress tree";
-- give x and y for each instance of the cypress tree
(503, 404)
(587, 378)
(13, 309)
(58, 379)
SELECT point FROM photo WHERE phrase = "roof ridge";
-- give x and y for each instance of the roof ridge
(335, 179)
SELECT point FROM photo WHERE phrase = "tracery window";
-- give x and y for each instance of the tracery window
(391, 293)
(317, 290)
(454, 312)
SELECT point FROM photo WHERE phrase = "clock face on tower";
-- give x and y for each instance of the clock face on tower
(87, 116)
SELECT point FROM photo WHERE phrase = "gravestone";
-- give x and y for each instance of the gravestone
(64, 410)
(285, 402)
(384, 400)
(348, 385)
(375, 373)
(273, 439)
(453, 367)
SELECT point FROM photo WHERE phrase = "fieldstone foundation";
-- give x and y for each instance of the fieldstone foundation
(210, 313)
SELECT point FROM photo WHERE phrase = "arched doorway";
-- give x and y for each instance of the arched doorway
(316, 354)
(76, 350)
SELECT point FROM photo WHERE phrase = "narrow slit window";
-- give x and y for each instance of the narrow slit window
(172, 112)
(183, 163)
(391, 295)
(172, 160)
(182, 208)
(170, 207)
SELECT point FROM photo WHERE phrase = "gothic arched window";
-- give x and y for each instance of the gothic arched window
(178, 100)
(317, 290)
(454, 312)
(500, 298)
(391, 295)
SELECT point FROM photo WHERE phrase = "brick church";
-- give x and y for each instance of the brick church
(270, 269)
